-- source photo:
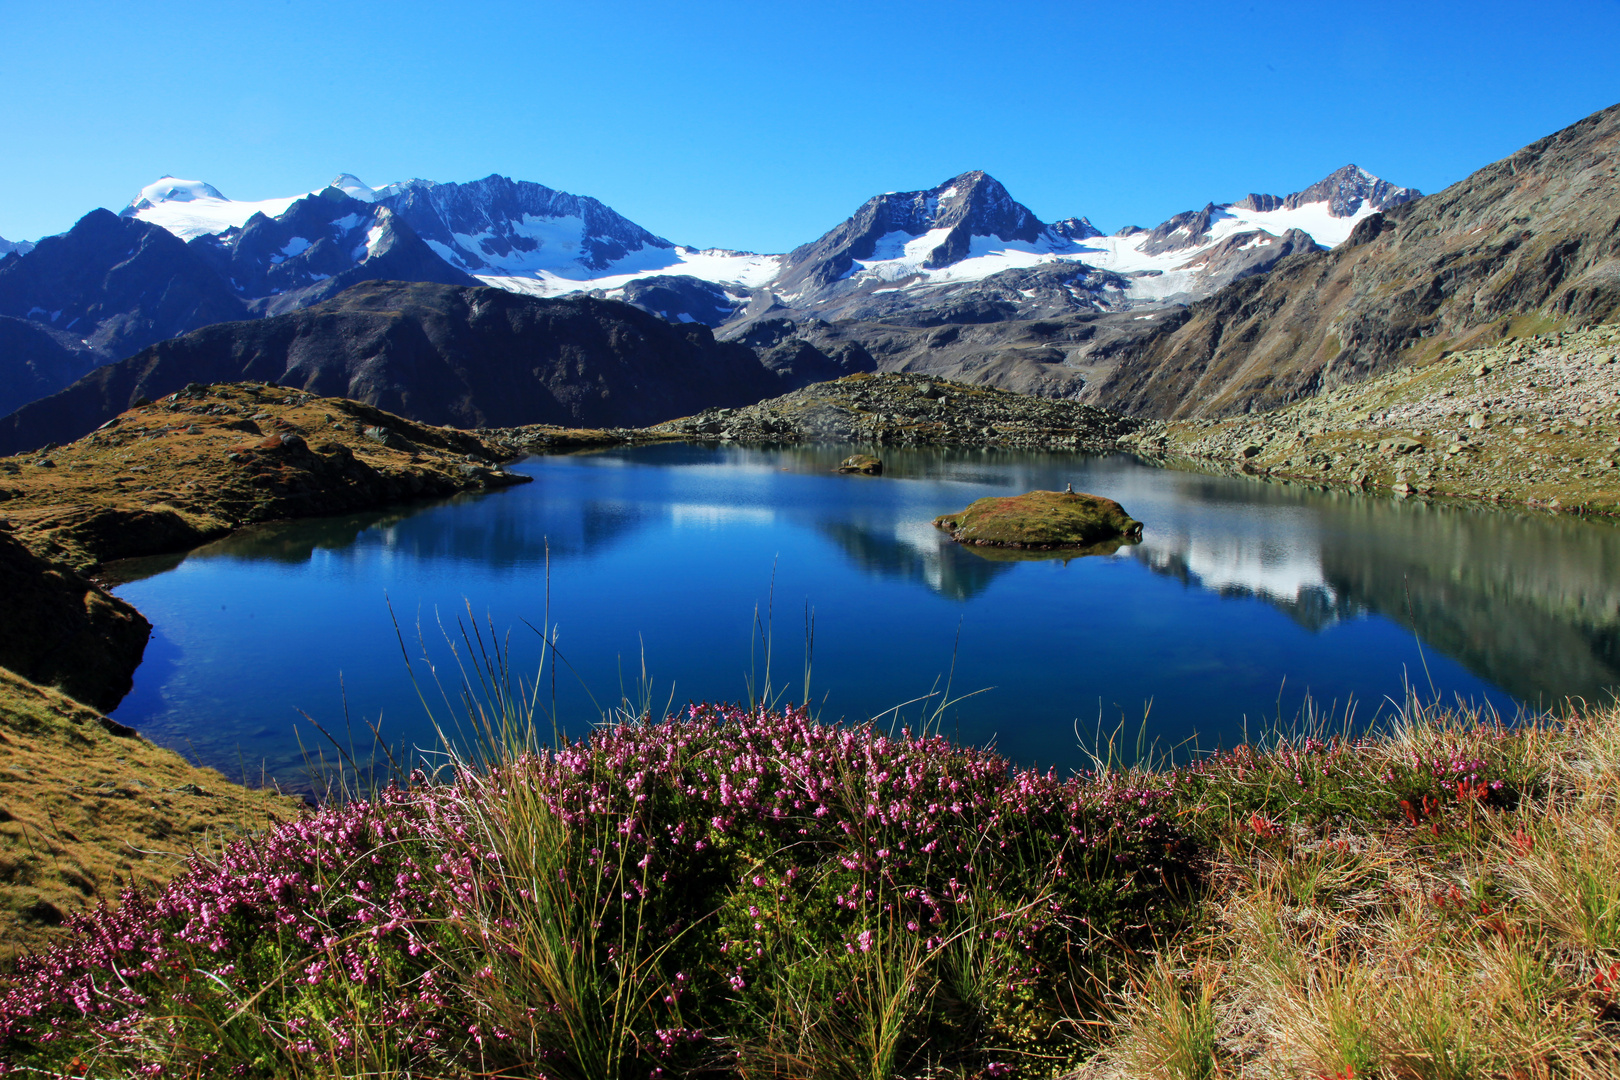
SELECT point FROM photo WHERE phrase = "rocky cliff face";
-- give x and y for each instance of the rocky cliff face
(1524, 245)
(490, 225)
(472, 357)
(58, 629)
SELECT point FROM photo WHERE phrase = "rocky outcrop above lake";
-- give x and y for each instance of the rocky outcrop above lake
(1518, 247)
(171, 474)
(1533, 421)
(57, 629)
(909, 410)
(1041, 520)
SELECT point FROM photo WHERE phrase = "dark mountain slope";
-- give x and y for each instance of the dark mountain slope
(1525, 244)
(36, 360)
(117, 284)
(440, 354)
(113, 285)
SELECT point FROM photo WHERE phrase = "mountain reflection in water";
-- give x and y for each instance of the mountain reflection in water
(665, 552)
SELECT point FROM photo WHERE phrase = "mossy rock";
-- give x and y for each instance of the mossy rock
(1042, 520)
(862, 463)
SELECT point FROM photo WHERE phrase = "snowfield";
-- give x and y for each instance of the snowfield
(547, 256)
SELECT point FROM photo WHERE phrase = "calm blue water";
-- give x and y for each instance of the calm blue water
(1243, 598)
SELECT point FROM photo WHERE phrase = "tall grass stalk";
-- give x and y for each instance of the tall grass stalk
(560, 913)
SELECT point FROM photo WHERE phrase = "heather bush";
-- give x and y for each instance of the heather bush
(735, 891)
(745, 892)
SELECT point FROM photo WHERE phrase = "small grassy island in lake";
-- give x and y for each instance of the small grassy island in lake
(861, 463)
(1042, 520)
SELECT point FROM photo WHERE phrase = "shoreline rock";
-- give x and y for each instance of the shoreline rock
(893, 409)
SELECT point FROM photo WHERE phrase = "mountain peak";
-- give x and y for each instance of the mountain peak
(171, 189)
(973, 203)
(1347, 188)
(352, 186)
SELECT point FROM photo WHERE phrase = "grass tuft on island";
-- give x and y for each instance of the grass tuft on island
(736, 892)
(1040, 520)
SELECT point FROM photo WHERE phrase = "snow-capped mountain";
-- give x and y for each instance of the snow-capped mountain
(965, 244)
(183, 255)
(517, 235)
(191, 208)
(1185, 256)
(318, 246)
(928, 244)
(966, 229)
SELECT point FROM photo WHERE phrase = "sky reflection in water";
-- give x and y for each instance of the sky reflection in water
(1241, 598)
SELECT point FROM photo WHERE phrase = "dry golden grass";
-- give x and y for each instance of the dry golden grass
(193, 466)
(88, 807)
(1484, 944)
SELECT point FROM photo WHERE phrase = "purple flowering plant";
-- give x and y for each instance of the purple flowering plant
(658, 895)
(728, 891)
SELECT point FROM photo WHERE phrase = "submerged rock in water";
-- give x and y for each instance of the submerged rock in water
(1041, 520)
(862, 463)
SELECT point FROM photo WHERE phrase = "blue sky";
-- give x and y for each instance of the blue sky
(760, 125)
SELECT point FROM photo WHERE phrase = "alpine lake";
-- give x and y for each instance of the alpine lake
(673, 573)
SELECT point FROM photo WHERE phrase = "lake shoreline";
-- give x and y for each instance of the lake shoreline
(88, 506)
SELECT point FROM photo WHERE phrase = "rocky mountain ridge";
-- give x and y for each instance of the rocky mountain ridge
(1528, 244)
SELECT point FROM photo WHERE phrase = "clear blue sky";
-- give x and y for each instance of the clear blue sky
(759, 125)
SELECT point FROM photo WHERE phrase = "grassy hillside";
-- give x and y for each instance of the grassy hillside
(89, 808)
